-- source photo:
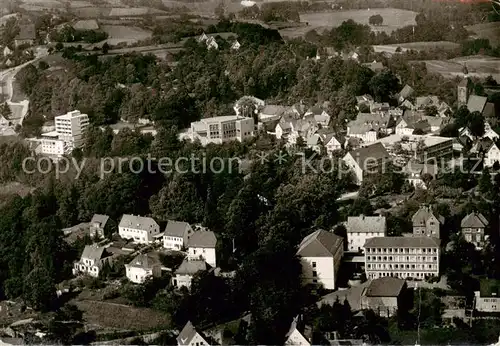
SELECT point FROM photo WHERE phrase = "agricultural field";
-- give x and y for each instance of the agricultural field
(393, 18)
(79, 4)
(111, 315)
(417, 46)
(205, 8)
(128, 34)
(491, 31)
(478, 66)
(40, 5)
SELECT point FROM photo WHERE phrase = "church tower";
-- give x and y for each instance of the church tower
(464, 88)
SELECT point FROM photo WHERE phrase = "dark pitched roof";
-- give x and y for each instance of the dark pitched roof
(191, 267)
(410, 242)
(423, 214)
(176, 228)
(145, 261)
(385, 287)
(474, 220)
(320, 244)
(205, 239)
(93, 252)
(374, 151)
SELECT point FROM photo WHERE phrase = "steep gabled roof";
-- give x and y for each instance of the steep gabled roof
(187, 334)
(423, 214)
(138, 222)
(385, 287)
(474, 220)
(373, 152)
(144, 261)
(93, 252)
(406, 92)
(204, 239)
(320, 244)
(366, 224)
(176, 228)
(192, 266)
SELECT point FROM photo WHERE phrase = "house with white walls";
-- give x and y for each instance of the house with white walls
(201, 245)
(361, 228)
(183, 276)
(92, 260)
(143, 266)
(140, 229)
(492, 155)
(176, 235)
(320, 254)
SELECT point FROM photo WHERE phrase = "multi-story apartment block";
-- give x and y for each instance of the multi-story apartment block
(222, 129)
(427, 223)
(361, 228)
(71, 127)
(402, 257)
(141, 229)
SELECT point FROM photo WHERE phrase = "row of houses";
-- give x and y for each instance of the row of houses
(197, 243)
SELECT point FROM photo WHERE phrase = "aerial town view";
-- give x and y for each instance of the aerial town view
(256, 172)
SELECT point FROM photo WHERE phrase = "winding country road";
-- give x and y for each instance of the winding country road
(7, 79)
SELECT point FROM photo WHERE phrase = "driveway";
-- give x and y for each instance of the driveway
(423, 284)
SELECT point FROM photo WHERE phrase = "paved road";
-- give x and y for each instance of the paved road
(7, 78)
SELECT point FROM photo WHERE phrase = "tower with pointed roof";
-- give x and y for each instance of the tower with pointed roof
(464, 88)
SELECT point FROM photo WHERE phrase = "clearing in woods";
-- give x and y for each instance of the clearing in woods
(393, 19)
(121, 33)
(491, 31)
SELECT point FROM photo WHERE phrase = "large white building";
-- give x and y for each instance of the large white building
(68, 133)
(361, 228)
(222, 129)
(321, 254)
(141, 229)
(142, 267)
(402, 257)
(71, 127)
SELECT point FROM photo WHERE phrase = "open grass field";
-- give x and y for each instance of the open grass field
(104, 315)
(491, 31)
(121, 33)
(478, 66)
(91, 12)
(78, 4)
(393, 18)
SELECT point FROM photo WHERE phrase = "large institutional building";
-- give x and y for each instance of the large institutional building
(402, 257)
(222, 129)
(68, 134)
